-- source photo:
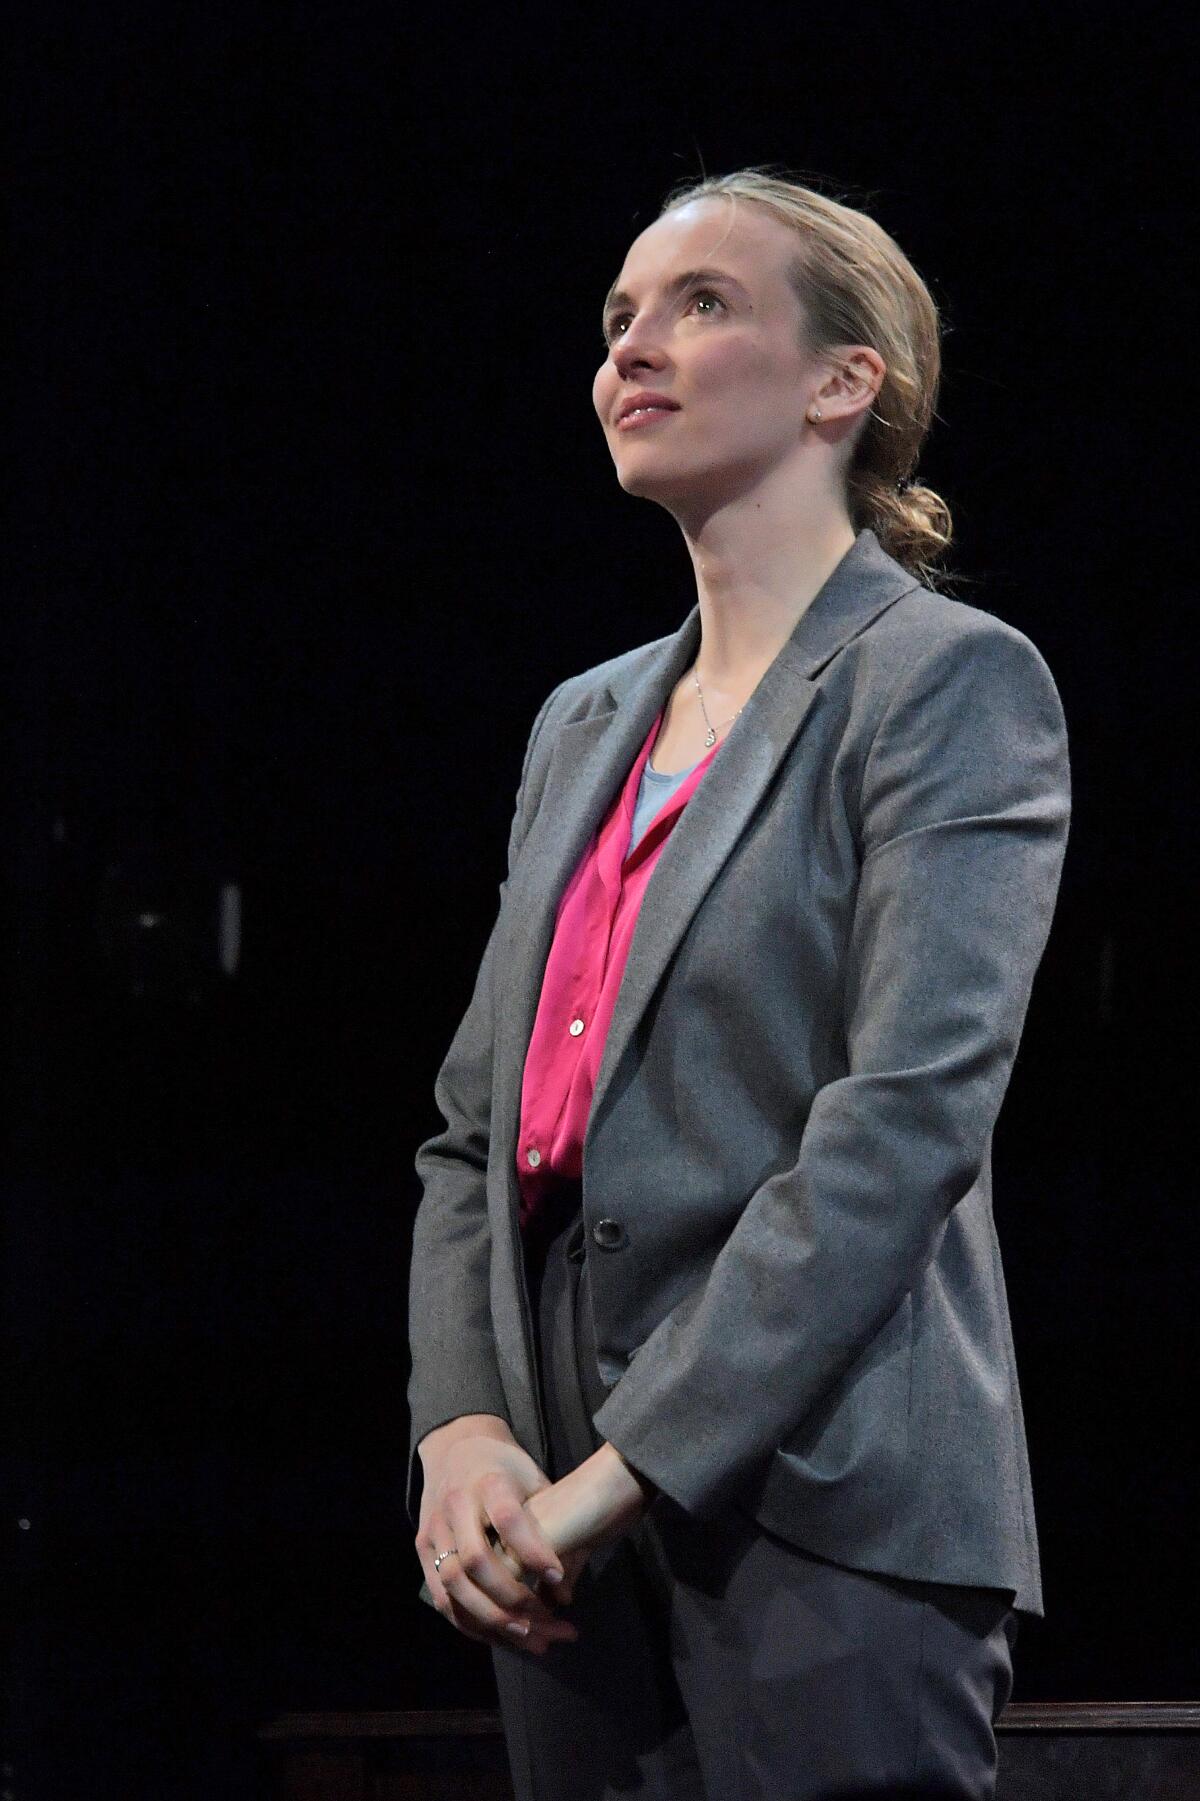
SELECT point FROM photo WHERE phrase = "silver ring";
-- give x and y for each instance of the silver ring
(441, 1557)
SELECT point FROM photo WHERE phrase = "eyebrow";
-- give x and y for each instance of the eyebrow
(618, 297)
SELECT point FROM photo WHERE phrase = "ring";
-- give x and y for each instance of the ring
(441, 1557)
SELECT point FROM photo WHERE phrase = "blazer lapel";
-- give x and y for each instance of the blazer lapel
(863, 584)
(591, 759)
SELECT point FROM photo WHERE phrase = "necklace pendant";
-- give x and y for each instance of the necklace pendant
(710, 738)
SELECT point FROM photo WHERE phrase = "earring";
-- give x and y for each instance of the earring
(815, 414)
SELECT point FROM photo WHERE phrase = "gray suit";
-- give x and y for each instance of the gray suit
(798, 1298)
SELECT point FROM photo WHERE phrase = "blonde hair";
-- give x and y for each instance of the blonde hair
(856, 286)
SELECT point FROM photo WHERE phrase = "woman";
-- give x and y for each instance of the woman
(713, 1389)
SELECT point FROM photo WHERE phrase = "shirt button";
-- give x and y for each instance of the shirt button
(575, 1027)
(533, 1158)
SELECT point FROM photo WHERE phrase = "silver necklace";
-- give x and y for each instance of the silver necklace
(710, 736)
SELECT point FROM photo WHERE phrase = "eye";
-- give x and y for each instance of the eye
(616, 320)
(706, 294)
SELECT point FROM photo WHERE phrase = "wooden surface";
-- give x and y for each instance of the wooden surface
(1049, 1751)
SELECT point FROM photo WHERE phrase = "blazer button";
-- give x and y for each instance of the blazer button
(608, 1234)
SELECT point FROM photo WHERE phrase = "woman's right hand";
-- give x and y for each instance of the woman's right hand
(477, 1479)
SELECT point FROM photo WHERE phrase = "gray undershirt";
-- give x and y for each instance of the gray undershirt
(654, 791)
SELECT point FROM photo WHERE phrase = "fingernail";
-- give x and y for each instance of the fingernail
(554, 1575)
(515, 1627)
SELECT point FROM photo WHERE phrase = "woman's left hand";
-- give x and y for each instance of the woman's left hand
(593, 1505)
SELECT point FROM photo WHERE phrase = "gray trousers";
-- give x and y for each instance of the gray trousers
(716, 1662)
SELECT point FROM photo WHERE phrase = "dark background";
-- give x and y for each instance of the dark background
(309, 513)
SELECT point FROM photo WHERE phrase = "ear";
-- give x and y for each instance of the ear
(855, 378)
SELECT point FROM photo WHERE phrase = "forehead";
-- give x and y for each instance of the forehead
(710, 232)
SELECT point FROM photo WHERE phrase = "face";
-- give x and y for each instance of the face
(702, 316)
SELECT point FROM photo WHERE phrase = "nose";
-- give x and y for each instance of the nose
(637, 349)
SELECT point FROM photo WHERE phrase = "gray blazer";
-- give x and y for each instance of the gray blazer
(799, 1303)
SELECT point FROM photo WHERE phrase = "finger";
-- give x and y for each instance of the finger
(575, 1564)
(531, 1626)
(523, 1634)
(559, 1594)
(562, 1594)
(533, 1638)
(479, 1582)
(558, 1597)
(519, 1633)
(530, 1637)
(523, 1537)
(467, 1609)
(432, 1563)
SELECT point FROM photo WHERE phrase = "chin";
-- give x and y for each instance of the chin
(674, 489)
(637, 481)
(652, 481)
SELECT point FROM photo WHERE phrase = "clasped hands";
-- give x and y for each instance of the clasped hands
(514, 1529)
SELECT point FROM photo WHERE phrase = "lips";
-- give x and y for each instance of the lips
(644, 418)
(646, 403)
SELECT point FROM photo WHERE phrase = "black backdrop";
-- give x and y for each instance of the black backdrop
(310, 511)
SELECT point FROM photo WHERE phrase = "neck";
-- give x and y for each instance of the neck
(760, 561)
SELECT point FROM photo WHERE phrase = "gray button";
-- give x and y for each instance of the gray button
(575, 1027)
(533, 1158)
(608, 1234)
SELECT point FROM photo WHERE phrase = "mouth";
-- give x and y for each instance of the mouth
(638, 417)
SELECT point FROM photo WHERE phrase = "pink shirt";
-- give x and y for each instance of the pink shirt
(592, 934)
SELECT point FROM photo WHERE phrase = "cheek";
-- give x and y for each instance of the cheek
(604, 389)
(732, 368)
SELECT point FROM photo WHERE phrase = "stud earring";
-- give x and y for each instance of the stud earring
(815, 414)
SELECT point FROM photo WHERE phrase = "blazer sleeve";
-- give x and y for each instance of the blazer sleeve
(454, 1368)
(965, 805)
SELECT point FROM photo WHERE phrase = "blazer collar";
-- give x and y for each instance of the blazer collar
(859, 588)
(590, 760)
